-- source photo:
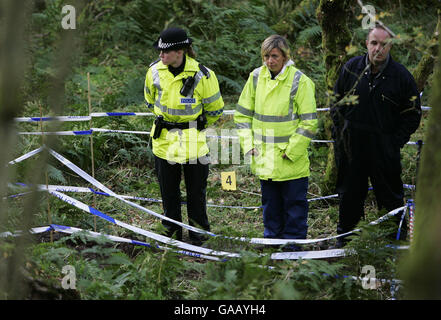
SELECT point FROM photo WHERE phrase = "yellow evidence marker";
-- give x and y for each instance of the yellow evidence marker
(228, 179)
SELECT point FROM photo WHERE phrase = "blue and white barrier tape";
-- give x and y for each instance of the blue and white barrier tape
(81, 118)
(138, 230)
(92, 130)
(59, 133)
(119, 114)
(275, 256)
(119, 131)
(60, 119)
(26, 156)
(19, 232)
(90, 190)
(100, 186)
(103, 188)
(72, 230)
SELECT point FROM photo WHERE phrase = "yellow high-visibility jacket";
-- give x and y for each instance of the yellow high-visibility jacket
(277, 117)
(162, 95)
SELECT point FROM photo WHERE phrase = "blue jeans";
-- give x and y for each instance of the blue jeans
(285, 208)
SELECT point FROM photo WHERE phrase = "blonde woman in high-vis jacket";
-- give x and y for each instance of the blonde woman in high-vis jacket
(276, 119)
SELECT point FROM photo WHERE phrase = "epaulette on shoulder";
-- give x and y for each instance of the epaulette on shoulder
(204, 70)
(154, 62)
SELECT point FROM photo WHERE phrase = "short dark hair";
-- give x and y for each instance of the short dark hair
(379, 26)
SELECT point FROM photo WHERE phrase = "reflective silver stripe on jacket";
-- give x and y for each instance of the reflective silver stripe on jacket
(256, 74)
(244, 111)
(305, 133)
(243, 125)
(270, 139)
(212, 98)
(294, 88)
(188, 111)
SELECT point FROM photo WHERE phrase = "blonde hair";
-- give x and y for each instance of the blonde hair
(275, 41)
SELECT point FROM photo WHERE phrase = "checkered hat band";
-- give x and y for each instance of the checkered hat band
(165, 45)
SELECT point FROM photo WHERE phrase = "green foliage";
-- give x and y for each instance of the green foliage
(105, 272)
(116, 49)
(251, 277)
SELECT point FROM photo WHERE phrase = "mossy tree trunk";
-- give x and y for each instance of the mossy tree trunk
(15, 17)
(333, 16)
(426, 64)
(421, 270)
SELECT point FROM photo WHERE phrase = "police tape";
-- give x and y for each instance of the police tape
(323, 254)
(333, 253)
(183, 245)
(81, 118)
(18, 233)
(73, 230)
(266, 241)
(90, 190)
(148, 234)
(121, 114)
(103, 130)
(26, 156)
(59, 118)
(100, 186)
(103, 188)
(41, 187)
(119, 131)
(59, 133)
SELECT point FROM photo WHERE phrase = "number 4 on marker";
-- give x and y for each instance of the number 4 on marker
(228, 180)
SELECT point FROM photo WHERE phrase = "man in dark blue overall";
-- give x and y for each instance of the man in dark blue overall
(369, 133)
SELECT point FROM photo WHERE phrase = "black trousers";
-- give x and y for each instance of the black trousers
(195, 177)
(368, 157)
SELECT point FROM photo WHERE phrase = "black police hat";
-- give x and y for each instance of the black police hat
(172, 39)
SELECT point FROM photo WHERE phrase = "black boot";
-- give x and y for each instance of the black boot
(197, 239)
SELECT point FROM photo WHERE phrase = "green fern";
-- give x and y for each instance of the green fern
(55, 174)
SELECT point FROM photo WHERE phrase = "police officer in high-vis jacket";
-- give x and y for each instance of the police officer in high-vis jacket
(276, 119)
(185, 97)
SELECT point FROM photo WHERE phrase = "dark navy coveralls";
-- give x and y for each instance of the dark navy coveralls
(368, 136)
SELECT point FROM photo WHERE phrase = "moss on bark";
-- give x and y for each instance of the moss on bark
(421, 269)
(332, 16)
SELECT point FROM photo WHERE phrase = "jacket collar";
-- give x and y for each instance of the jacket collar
(191, 65)
(282, 74)
(382, 68)
(387, 69)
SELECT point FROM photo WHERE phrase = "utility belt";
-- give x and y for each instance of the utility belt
(160, 124)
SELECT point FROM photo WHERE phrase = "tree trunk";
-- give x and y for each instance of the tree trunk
(426, 64)
(14, 21)
(13, 16)
(421, 269)
(333, 16)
